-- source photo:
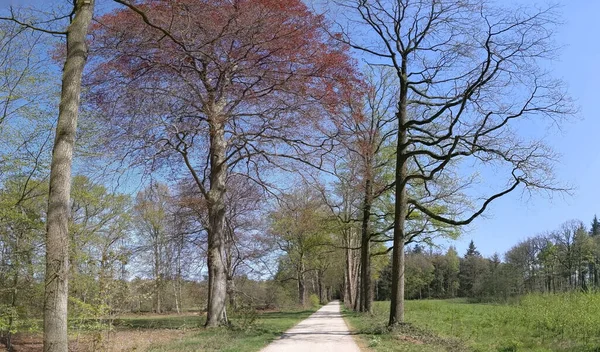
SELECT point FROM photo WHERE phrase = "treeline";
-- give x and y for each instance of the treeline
(566, 259)
(129, 254)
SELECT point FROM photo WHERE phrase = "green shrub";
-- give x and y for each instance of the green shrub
(314, 301)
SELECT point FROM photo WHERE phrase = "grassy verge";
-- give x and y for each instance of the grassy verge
(248, 334)
(373, 333)
(538, 323)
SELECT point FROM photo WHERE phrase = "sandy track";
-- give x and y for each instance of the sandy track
(323, 331)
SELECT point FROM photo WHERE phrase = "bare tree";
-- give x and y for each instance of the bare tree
(210, 97)
(467, 73)
(366, 130)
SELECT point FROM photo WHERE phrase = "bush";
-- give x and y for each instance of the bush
(314, 301)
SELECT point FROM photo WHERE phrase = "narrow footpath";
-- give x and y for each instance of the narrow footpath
(323, 331)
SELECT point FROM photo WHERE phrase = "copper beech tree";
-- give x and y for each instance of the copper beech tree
(208, 88)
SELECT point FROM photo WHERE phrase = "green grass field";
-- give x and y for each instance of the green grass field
(537, 323)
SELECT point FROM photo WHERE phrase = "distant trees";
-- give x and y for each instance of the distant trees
(473, 268)
(99, 233)
(153, 216)
(562, 260)
(300, 230)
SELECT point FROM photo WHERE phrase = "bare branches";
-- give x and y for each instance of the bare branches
(36, 25)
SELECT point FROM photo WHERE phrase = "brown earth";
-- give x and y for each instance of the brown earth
(115, 341)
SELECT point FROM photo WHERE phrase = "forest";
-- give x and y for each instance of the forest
(201, 175)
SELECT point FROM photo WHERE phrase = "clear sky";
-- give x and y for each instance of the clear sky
(512, 219)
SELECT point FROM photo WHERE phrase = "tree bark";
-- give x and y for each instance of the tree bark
(157, 272)
(357, 291)
(57, 239)
(231, 292)
(217, 278)
(400, 207)
(349, 294)
(301, 285)
(322, 293)
(366, 296)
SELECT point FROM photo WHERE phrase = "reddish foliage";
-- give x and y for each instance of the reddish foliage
(270, 63)
(249, 52)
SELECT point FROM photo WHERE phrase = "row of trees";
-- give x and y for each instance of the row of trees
(222, 99)
(562, 260)
(126, 254)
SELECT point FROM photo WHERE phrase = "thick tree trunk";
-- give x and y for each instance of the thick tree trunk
(366, 294)
(57, 239)
(400, 208)
(217, 278)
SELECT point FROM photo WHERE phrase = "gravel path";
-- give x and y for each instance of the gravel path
(323, 331)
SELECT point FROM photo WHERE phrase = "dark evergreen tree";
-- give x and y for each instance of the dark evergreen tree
(383, 286)
(471, 269)
(417, 249)
(472, 250)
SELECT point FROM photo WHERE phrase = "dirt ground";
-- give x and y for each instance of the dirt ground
(116, 341)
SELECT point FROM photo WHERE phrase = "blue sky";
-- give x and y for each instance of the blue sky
(512, 219)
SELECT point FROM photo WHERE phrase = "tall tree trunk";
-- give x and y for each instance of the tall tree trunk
(345, 294)
(13, 304)
(230, 269)
(301, 282)
(400, 207)
(157, 273)
(357, 292)
(366, 294)
(322, 294)
(176, 292)
(57, 239)
(231, 292)
(349, 294)
(217, 278)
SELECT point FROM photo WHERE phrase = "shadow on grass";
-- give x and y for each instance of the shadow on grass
(188, 322)
(284, 315)
(160, 322)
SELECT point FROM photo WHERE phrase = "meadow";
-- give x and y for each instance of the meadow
(249, 331)
(567, 322)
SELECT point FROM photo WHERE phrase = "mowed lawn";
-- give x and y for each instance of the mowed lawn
(562, 322)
